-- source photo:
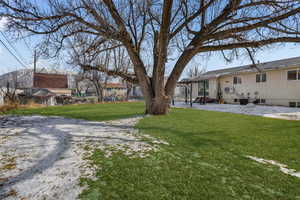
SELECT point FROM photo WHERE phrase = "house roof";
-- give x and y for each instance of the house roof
(43, 93)
(267, 66)
(114, 85)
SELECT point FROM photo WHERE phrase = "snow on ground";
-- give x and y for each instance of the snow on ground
(282, 167)
(250, 109)
(44, 157)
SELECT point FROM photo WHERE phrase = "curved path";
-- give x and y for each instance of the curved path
(44, 157)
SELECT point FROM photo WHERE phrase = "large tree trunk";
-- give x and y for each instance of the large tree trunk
(158, 105)
(154, 107)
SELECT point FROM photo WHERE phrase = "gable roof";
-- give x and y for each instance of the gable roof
(43, 93)
(267, 66)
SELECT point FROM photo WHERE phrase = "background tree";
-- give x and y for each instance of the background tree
(9, 93)
(82, 85)
(153, 32)
(11, 82)
(99, 81)
(195, 70)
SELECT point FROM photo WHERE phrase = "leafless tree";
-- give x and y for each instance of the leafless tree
(111, 61)
(195, 71)
(99, 81)
(153, 32)
(8, 88)
(81, 84)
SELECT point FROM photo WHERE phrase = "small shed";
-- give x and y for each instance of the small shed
(44, 96)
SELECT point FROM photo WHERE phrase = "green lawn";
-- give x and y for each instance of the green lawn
(94, 112)
(205, 158)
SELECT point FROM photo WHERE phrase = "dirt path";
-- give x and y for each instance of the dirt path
(43, 157)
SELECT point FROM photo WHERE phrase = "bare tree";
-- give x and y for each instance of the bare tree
(111, 61)
(8, 88)
(81, 84)
(153, 32)
(99, 81)
(195, 71)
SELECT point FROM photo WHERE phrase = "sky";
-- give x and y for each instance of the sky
(25, 49)
(276, 52)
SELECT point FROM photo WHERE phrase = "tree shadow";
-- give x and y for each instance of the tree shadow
(191, 139)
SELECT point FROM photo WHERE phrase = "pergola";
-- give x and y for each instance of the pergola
(188, 84)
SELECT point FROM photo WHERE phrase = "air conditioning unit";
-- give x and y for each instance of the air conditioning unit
(229, 90)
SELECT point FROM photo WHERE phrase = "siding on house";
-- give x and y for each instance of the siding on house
(276, 90)
(115, 89)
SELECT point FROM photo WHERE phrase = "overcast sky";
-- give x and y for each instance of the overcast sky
(9, 63)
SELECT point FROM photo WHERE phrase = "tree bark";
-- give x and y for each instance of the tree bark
(157, 103)
(155, 106)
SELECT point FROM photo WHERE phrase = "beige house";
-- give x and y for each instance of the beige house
(115, 89)
(270, 83)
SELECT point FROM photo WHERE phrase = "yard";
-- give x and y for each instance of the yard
(202, 155)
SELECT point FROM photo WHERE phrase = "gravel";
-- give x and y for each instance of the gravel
(44, 157)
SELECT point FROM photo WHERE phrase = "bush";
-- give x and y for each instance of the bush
(15, 105)
(8, 107)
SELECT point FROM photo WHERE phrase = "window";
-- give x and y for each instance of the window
(262, 101)
(293, 104)
(203, 86)
(298, 104)
(261, 77)
(237, 80)
(257, 78)
(235, 100)
(292, 75)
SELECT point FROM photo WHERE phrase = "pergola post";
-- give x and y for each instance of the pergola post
(186, 94)
(204, 95)
(191, 95)
(173, 101)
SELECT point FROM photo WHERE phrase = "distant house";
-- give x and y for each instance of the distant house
(45, 86)
(115, 89)
(111, 90)
(270, 83)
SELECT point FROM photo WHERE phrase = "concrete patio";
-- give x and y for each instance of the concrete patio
(250, 109)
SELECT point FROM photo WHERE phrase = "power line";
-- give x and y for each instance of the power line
(26, 44)
(11, 45)
(17, 59)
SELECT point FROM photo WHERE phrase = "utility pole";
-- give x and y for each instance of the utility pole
(34, 61)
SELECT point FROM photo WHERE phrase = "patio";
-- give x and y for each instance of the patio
(250, 109)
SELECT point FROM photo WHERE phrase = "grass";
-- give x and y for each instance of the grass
(205, 158)
(93, 112)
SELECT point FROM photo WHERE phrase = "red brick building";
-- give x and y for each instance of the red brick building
(42, 80)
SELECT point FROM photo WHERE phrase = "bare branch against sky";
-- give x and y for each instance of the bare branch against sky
(152, 32)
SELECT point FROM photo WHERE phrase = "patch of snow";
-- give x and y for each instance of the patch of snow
(44, 157)
(250, 109)
(288, 116)
(283, 168)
